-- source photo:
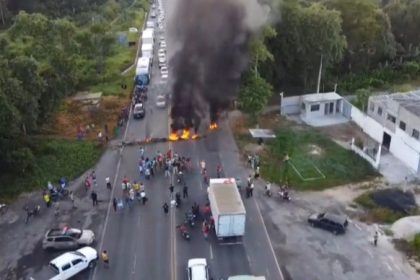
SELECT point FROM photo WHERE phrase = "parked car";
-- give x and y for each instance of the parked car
(162, 58)
(161, 101)
(71, 263)
(163, 44)
(153, 14)
(197, 269)
(331, 222)
(164, 78)
(67, 238)
(139, 112)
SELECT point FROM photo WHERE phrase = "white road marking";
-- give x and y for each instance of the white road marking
(370, 253)
(117, 171)
(267, 273)
(211, 252)
(357, 226)
(268, 240)
(388, 266)
(134, 265)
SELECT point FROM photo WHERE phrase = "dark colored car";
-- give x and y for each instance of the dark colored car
(139, 112)
(334, 223)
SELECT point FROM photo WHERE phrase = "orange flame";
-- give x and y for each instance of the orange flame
(213, 126)
(195, 136)
(185, 134)
(173, 136)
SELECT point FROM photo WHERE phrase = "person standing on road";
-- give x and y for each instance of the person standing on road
(105, 258)
(165, 208)
(93, 175)
(171, 189)
(143, 197)
(251, 189)
(114, 204)
(94, 197)
(257, 172)
(167, 172)
(47, 199)
(375, 238)
(185, 191)
(71, 195)
(87, 184)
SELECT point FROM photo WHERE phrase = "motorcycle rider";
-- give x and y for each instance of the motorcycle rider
(268, 189)
(178, 199)
(108, 183)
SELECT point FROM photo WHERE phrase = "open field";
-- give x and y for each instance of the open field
(315, 162)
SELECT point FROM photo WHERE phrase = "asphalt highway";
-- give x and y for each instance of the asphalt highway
(143, 242)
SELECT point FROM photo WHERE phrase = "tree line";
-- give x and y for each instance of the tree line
(361, 43)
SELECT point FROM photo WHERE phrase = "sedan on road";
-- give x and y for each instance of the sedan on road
(162, 59)
(331, 222)
(197, 269)
(139, 112)
(164, 70)
(161, 101)
(163, 44)
(67, 238)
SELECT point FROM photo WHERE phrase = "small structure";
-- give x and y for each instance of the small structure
(88, 100)
(261, 134)
(316, 109)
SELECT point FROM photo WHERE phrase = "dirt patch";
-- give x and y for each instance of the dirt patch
(345, 132)
(72, 118)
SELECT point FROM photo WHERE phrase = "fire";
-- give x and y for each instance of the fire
(195, 136)
(173, 136)
(185, 134)
(213, 126)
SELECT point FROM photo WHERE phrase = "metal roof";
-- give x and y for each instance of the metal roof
(408, 100)
(320, 97)
(262, 133)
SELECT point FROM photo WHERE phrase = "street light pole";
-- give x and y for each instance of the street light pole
(319, 76)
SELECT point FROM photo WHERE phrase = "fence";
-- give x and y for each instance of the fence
(371, 157)
(290, 105)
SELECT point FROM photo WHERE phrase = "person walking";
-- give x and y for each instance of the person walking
(167, 172)
(87, 184)
(105, 258)
(375, 238)
(165, 208)
(94, 197)
(93, 176)
(114, 204)
(47, 199)
(147, 173)
(171, 189)
(248, 191)
(251, 189)
(257, 172)
(185, 191)
(71, 195)
(143, 197)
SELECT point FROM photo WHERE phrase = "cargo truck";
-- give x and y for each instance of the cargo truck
(246, 277)
(227, 209)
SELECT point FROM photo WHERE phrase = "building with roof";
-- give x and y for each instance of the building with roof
(398, 116)
(316, 109)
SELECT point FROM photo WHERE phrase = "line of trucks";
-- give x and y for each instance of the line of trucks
(144, 63)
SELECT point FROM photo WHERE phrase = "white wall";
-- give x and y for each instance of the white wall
(290, 105)
(369, 126)
(315, 114)
(406, 149)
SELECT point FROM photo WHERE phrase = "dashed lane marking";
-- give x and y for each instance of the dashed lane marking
(211, 252)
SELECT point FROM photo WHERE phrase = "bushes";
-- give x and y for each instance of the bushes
(381, 77)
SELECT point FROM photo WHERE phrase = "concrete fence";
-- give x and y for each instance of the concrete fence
(361, 152)
(290, 105)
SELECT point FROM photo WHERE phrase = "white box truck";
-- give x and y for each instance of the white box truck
(147, 50)
(147, 36)
(227, 208)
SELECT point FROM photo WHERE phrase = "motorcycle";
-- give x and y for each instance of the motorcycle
(184, 232)
(31, 212)
(284, 195)
(190, 219)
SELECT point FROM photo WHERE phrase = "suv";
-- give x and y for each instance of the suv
(71, 263)
(67, 238)
(334, 223)
(197, 269)
(139, 112)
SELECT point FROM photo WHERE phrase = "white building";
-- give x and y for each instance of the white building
(396, 125)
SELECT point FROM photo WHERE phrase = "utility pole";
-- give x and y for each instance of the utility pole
(319, 76)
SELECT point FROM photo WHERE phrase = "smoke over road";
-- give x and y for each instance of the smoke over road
(209, 39)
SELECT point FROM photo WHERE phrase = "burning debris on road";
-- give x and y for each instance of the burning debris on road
(210, 41)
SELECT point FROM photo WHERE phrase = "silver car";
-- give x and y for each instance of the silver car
(161, 101)
(67, 238)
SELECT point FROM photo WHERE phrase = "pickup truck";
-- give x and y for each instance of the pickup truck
(69, 264)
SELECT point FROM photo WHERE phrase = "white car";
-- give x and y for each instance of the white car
(164, 70)
(162, 59)
(161, 101)
(163, 44)
(133, 30)
(164, 78)
(197, 269)
(71, 263)
(162, 51)
(162, 38)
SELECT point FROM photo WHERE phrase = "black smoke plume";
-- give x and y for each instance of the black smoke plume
(210, 40)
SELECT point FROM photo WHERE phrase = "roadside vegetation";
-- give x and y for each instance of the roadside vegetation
(49, 51)
(410, 248)
(305, 159)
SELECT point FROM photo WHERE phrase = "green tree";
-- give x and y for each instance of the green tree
(362, 97)
(254, 94)
(368, 33)
(304, 34)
